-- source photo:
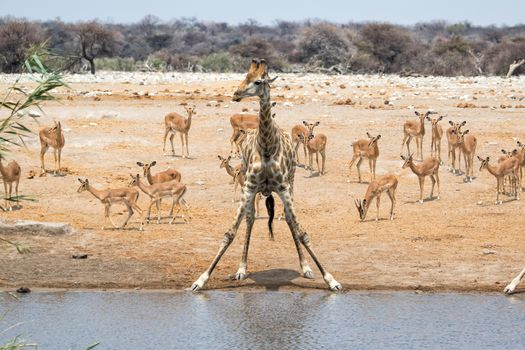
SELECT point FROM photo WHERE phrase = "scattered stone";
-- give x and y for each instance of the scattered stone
(23, 290)
(36, 228)
(79, 256)
(488, 252)
(200, 182)
(288, 104)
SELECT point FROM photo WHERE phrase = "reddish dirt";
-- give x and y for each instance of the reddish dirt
(461, 242)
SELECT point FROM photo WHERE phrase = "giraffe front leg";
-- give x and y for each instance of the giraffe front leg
(229, 236)
(250, 219)
(302, 236)
(511, 287)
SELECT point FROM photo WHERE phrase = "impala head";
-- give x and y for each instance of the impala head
(434, 121)
(422, 116)
(457, 126)
(190, 109)
(310, 127)
(256, 83)
(57, 126)
(134, 180)
(362, 208)
(408, 160)
(146, 167)
(484, 163)
(84, 184)
(224, 161)
(373, 139)
(461, 135)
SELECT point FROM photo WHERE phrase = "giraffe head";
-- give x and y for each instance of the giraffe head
(256, 83)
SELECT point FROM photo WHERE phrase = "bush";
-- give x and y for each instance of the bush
(121, 64)
(323, 45)
(499, 57)
(218, 62)
(386, 43)
(16, 38)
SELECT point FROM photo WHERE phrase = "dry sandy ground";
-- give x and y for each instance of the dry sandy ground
(461, 242)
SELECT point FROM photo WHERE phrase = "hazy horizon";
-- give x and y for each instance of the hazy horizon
(403, 12)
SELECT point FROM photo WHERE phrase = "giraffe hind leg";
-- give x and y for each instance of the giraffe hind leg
(302, 236)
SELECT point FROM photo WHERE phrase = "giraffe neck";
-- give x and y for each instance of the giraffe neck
(267, 137)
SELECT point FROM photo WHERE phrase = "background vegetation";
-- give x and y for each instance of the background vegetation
(436, 48)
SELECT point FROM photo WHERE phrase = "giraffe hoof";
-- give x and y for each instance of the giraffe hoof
(239, 276)
(198, 284)
(509, 289)
(308, 274)
(332, 283)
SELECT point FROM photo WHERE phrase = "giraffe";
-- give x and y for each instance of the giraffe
(269, 161)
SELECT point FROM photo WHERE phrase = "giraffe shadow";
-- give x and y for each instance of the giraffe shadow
(271, 280)
(274, 279)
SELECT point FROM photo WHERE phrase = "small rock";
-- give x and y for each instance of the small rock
(200, 182)
(79, 256)
(23, 290)
(488, 252)
(480, 202)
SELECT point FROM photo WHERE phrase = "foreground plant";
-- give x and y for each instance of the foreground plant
(13, 128)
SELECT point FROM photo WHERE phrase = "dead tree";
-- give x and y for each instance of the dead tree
(513, 66)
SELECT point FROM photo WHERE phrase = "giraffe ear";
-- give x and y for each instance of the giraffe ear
(253, 65)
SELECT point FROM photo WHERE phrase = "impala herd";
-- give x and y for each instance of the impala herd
(167, 184)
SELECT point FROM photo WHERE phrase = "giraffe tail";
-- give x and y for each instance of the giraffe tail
(270, 207)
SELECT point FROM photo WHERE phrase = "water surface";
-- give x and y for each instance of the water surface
(265, 320)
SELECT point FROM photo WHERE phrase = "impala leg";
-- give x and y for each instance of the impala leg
(59, 159)
(408, 144)
(323, 156)
(130, 214)
(370, 168)
(16, 189)
(229, 236)
(182, 144)
(141, 213)
(511, 287)
(421, 184)
(405, 138)
(296, 147)
(358, 166)
(433, 184)
(56, 159)
(43, 151)
(304, 150)
(317, 162)
(172, 136)
(232, 142)
(6, 197)
(498, 185)
(378, 199)
(110, 219)
(166, 132)
(302, 236)
(149, 209)
(392, 195)
(187, 146)
(250, 219)
(157, 204)
(436, 175)
(354, 158)
(106, 215)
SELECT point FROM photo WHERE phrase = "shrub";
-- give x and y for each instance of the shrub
(323, 45)
(16, 38)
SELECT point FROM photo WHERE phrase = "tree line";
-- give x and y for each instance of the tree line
(434, 48)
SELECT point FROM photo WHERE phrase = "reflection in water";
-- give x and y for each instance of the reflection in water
(264, 320)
